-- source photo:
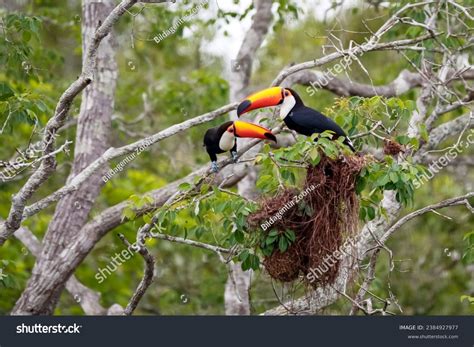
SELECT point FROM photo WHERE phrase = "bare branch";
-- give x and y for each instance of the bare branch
(445, 130)
(113, 153)
(460, 200)
(147, 276)
(193, 243)
(366, 284)
(48, 166)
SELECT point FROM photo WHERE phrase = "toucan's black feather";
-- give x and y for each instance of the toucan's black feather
(306, 121)
(212, 137)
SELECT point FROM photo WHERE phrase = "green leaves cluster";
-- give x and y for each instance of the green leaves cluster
(20, 108)
(276, 240)
(388, 174)
(286, 166)
(358, 115)
(135, 203)
(15, 49)
(200, 209)
(21, 101)
(249, 260)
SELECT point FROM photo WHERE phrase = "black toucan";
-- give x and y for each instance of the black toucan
(295, 114)
(223, 138)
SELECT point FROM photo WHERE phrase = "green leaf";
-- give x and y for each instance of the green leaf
(410, 105)
(308, 210)
(147, 218)
(199, 231)
(314, 156)
(424, 132)
(468, 298)
(290, 235)
(129, 213)
(244, 255)
(249, 261)
(393, 177)
(414, 142)
(184, 186)
(205, 188)
(371, 212)
(327, 134)
(26, 36)
(239, 236)
(403, 139)
(282, 244)
(360, 184)
(383, 180)
(254, 262)
(273, 232)
(270, 240)
(148, 199)
(5, 91)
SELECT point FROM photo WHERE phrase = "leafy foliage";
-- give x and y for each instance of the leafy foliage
(182, 81)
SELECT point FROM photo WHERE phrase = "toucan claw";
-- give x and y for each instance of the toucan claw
(214, 167)
(235, 157)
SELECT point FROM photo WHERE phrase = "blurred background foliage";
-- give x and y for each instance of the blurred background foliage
(174, 80)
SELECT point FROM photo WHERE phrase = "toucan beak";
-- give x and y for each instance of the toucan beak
(244, 129)
(264, 98)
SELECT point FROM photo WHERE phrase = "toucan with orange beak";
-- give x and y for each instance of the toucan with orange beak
(222, 138)
(295, 114)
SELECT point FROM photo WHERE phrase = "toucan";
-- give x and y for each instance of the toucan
(295, 114)
(222, 138)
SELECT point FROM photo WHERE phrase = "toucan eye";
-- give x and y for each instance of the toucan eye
(287, 93)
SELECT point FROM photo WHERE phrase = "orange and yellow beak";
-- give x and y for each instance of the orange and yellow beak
(244, 129)
(264, 98)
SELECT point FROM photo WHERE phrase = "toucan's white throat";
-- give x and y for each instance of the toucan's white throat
(227, 141)
(288, 103)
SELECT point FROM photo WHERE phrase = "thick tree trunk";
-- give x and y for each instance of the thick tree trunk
(237, 299)
(93, 129)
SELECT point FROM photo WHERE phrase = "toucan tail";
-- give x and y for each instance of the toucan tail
(349, 143)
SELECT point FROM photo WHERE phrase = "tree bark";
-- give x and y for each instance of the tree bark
(237, 299)
(92, 139)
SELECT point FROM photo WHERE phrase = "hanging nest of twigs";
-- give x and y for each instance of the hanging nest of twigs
(283, 266)
(328, 217)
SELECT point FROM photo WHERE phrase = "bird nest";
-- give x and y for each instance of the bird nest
(331, 216)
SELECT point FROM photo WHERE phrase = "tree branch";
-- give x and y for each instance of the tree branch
(48, 166)
(193, 243)
(147, 276)
(113, 153)
(87, 298)
(460, 200)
